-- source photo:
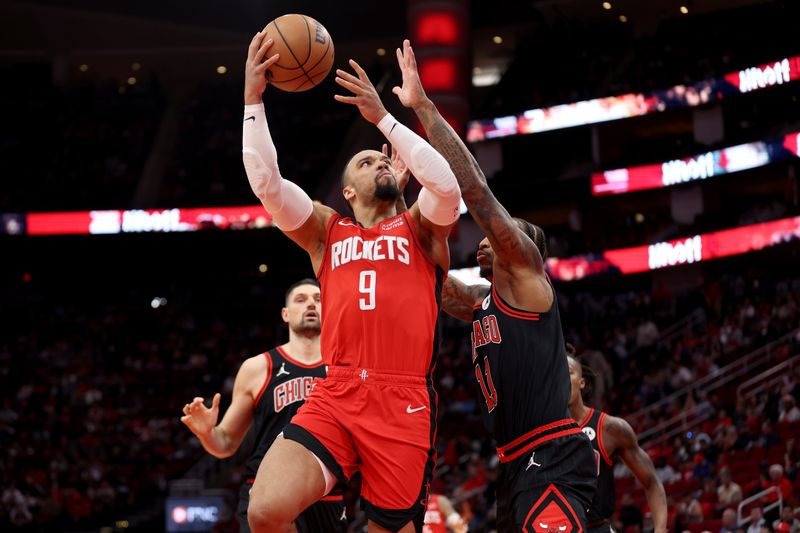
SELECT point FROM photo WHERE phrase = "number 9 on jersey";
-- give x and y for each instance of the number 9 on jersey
(366, 286)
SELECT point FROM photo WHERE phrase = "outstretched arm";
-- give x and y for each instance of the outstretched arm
(290, 207)
(621, 433)
(224, 439)
(458, 298)
(510, 245)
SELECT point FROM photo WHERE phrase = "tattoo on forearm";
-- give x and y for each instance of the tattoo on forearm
(486, 209)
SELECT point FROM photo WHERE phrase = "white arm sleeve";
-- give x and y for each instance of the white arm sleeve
(440, 196)
(287, 203)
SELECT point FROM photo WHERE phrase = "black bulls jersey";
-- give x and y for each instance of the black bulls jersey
(604, 498)
(288, 383)
(521, 367)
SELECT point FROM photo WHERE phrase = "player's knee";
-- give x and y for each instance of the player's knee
(268, 516)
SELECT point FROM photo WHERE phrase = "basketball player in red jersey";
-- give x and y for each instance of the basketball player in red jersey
(613, 438)
(441, 516)
(547, 475)
(381, 275)
(268, 391)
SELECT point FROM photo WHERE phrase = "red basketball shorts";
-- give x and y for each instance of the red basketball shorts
(381, 424)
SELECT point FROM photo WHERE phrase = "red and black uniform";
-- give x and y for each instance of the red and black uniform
(376, 411)
(286, 386)
(547, 471)
(435, 520)
(604, 502)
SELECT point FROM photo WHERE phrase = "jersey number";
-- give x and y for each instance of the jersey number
(366, 286)
(597, 456)
(487, 386)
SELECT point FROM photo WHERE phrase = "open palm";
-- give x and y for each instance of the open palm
(200, 419)
(411, 94)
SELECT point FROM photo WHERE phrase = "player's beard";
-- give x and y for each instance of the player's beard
(307, 327)
(386, 190)
(485, 272)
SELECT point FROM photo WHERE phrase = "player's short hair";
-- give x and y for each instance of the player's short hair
(304, 281)
(536, 234)
(345, 178)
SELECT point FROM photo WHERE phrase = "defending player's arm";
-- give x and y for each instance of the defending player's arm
(224, 439)
(619, 432)
(508, 243)
(458, 298)
(436, 208)
(291, 208)
(452, 518)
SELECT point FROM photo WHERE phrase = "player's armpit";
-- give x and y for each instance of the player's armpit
(311, 235)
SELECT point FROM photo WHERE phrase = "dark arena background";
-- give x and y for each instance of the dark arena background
(656, 142)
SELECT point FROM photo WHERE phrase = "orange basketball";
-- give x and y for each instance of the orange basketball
(306, 51)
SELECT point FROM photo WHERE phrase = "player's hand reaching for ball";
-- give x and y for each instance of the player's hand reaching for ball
(255, 78)
(366, 97)
(401, 170)
(200, 419)
(411, 94)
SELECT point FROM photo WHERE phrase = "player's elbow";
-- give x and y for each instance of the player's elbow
(222, 454)
(441, 210)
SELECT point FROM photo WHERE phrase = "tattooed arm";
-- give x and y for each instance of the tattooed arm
(512, 247)
(458, 298)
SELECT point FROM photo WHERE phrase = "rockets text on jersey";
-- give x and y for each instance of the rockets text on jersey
(382, 297)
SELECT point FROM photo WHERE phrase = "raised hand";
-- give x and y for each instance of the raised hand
(200, 419)
(411, 94)
(366, 97)
(401, 170)
(255, 79)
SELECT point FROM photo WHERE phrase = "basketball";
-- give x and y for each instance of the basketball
(306, 51)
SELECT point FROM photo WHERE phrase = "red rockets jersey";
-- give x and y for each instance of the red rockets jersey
(381, 298)
(435, 520)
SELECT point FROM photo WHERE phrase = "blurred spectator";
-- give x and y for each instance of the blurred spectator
(665, 472)
(779, 480)
(729, 493)
(16, 505)
(756, 520)
(646, 334)
(789, 411)
(787, 519)
(728, 521)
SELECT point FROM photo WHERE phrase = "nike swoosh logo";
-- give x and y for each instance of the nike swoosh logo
(343, 223)
(414, 410)
(250, 118)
